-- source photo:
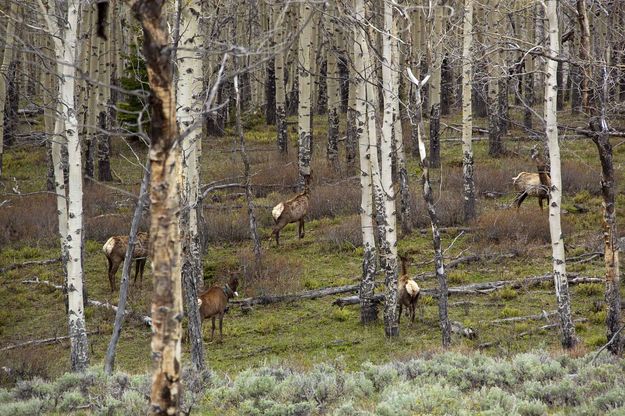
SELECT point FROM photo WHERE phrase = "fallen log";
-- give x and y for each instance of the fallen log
(526, 333)
(545, 315)
(465, 259)
(480, 288)
(44, 341)
(145, 319)
(309, 294)
(30, 263)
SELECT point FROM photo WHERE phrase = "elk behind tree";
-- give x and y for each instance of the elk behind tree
(408, 292)
(533, 184)
(292, 210)
(115, 251)
(213, 303)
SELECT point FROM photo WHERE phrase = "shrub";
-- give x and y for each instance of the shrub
(227, 226)
(345, 236)
(29, 220)
(578, 177)
(448, 205)
(277, 274)
(334, 200)
(515, 228)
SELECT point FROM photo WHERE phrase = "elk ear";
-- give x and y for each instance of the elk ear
(103, 7)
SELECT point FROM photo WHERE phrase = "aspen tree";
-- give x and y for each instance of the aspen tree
(467, 115)
(368, 309)
(189, 87)
(555, 226)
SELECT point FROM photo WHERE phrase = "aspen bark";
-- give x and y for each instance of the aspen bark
(165, 163)
(528, 78)
(584, 53)
(105, 120)
(611, 254)
(551, 129)
(385, 199)
(304, 116)
(4, 69)
(496, 75)
(436, 46)
(436, 236)
(74, 239)
(333, 87)
(368, 308)
(281, 127)
(398, 135)
(467, 114)
(189, 87)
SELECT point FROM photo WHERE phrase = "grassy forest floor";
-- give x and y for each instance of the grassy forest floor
(513, 245)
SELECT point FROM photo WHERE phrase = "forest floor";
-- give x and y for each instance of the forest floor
(512, 245)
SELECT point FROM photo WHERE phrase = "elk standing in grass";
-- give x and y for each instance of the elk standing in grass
(533, 184)
(115, 252)
(292, 210)
(408, 292)
(214, 302)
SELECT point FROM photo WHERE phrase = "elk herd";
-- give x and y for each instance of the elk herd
(213, 302)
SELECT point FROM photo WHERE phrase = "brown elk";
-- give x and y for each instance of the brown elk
(115, 252)
(214, 302)
(533, 184)
(292, 210)
(408, 292)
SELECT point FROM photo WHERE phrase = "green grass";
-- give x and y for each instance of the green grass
(304, 333)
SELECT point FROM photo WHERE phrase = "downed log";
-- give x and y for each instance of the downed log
(145, 319)
(545, 315)
(30, 263)
(309, 294)
(44, 341)
(465, 259)
(480, 288)
(528, 332)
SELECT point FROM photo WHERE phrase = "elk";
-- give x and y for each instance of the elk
(408, 292)
(292, 210)
(533, 184)
(115, 251)
(213, 303)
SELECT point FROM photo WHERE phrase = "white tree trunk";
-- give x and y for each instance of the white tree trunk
(388, 237)
(190, 86)
(333, 86)
(368, 309)
(6, 61)
(76, 313)
(281, 128)
(551, 129)
(467, 114)
(305, 103)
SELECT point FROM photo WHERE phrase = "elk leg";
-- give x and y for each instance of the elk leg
(140, 267)
(520, 198)
(221, 322)
(399, 316)
(301, 228)
(113, 266)
(277, 232)
(540, 202)
(213, 329)
(412, 312)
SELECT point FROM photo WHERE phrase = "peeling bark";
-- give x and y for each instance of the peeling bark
(368, 309)
(165, 163)
(569, 339)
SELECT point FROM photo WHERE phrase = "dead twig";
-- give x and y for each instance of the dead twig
(30, 263)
